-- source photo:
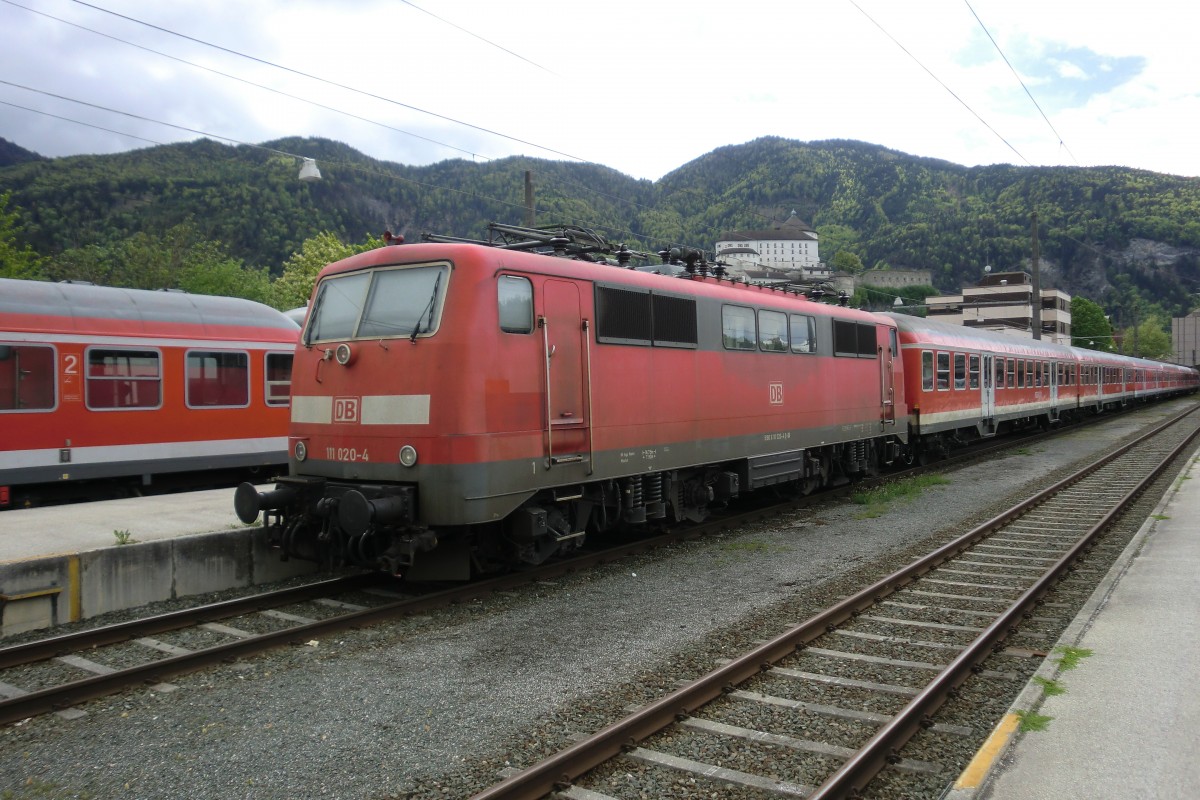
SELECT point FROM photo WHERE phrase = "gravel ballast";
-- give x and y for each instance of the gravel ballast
(436, 706)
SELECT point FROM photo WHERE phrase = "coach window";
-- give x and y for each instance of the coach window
(1012, 374)
(123, 379)
(926, 371)
(974, 372)
(218, 379)
(279, 379)
(999, 373)
(773, 331)
(943, 371)
(26, 377)
(960, 370)
(514, 297)
(737, 328)
(804, 333)
(1037, 373)
(1020, 374)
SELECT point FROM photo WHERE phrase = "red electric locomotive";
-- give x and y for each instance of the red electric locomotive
(458, 406)
(103, 383)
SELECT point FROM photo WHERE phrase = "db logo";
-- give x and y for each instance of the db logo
(776, 392)
(345, 409)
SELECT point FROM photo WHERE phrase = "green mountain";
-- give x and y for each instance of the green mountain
(1103, 231)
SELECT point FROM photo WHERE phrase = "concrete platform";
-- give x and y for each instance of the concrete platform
(65, 563)
(1128, 724)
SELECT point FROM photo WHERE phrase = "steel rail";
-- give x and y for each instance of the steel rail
(55, 698)
(567, 765)
(16, 655)
(66, 695)
(853, 776)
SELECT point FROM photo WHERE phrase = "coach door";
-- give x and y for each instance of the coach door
(1054, 370)
(988, 399)
(567, 357)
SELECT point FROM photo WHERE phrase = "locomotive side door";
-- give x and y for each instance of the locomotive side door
(988, 398)
(888, 383)
(564, 337)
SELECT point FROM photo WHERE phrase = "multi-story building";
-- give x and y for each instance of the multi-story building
(1185, 338)
(1003, 302)
(790, 247)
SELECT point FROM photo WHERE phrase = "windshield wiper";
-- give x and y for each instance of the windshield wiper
(427, 310)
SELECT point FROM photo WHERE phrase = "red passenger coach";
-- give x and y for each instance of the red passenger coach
(103, 383)
(965, 383)
(459, 406)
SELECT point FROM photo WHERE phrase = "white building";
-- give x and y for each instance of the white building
(789, 247)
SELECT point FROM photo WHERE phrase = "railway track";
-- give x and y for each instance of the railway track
(783, 720)
(71, 669)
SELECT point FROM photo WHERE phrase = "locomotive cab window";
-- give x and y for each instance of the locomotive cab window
(514, 297)
(218, 379)
(392, 302)
(26, 377)
(123, 379)
(737, 328)
(279, 379)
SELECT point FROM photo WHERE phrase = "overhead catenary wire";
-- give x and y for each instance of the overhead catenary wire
(328, 81)
(562, 182)
(1013, 70)
(939, 81)
(241, 80)
(276, 151)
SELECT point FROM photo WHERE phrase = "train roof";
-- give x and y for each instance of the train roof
(948, 335)
(726, 289)
(79, 308)
(963, 336)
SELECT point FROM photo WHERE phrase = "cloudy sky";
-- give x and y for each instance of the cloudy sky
(637, 85)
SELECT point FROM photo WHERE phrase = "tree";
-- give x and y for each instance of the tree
(1089, 327)
(295, 285)
(15, 261)
(1152, 340)
(845, 261)
(227, 278)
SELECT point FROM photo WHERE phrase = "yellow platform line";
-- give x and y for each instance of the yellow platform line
(975, 773)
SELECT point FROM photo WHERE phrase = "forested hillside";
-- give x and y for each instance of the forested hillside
(1116, 235)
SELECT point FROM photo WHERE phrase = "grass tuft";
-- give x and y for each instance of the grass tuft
(1032, 721)
(1049, 686)
(1069, 657)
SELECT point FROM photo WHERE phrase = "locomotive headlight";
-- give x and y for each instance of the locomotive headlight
(408, 455)
(301, 451)
(344, 354)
